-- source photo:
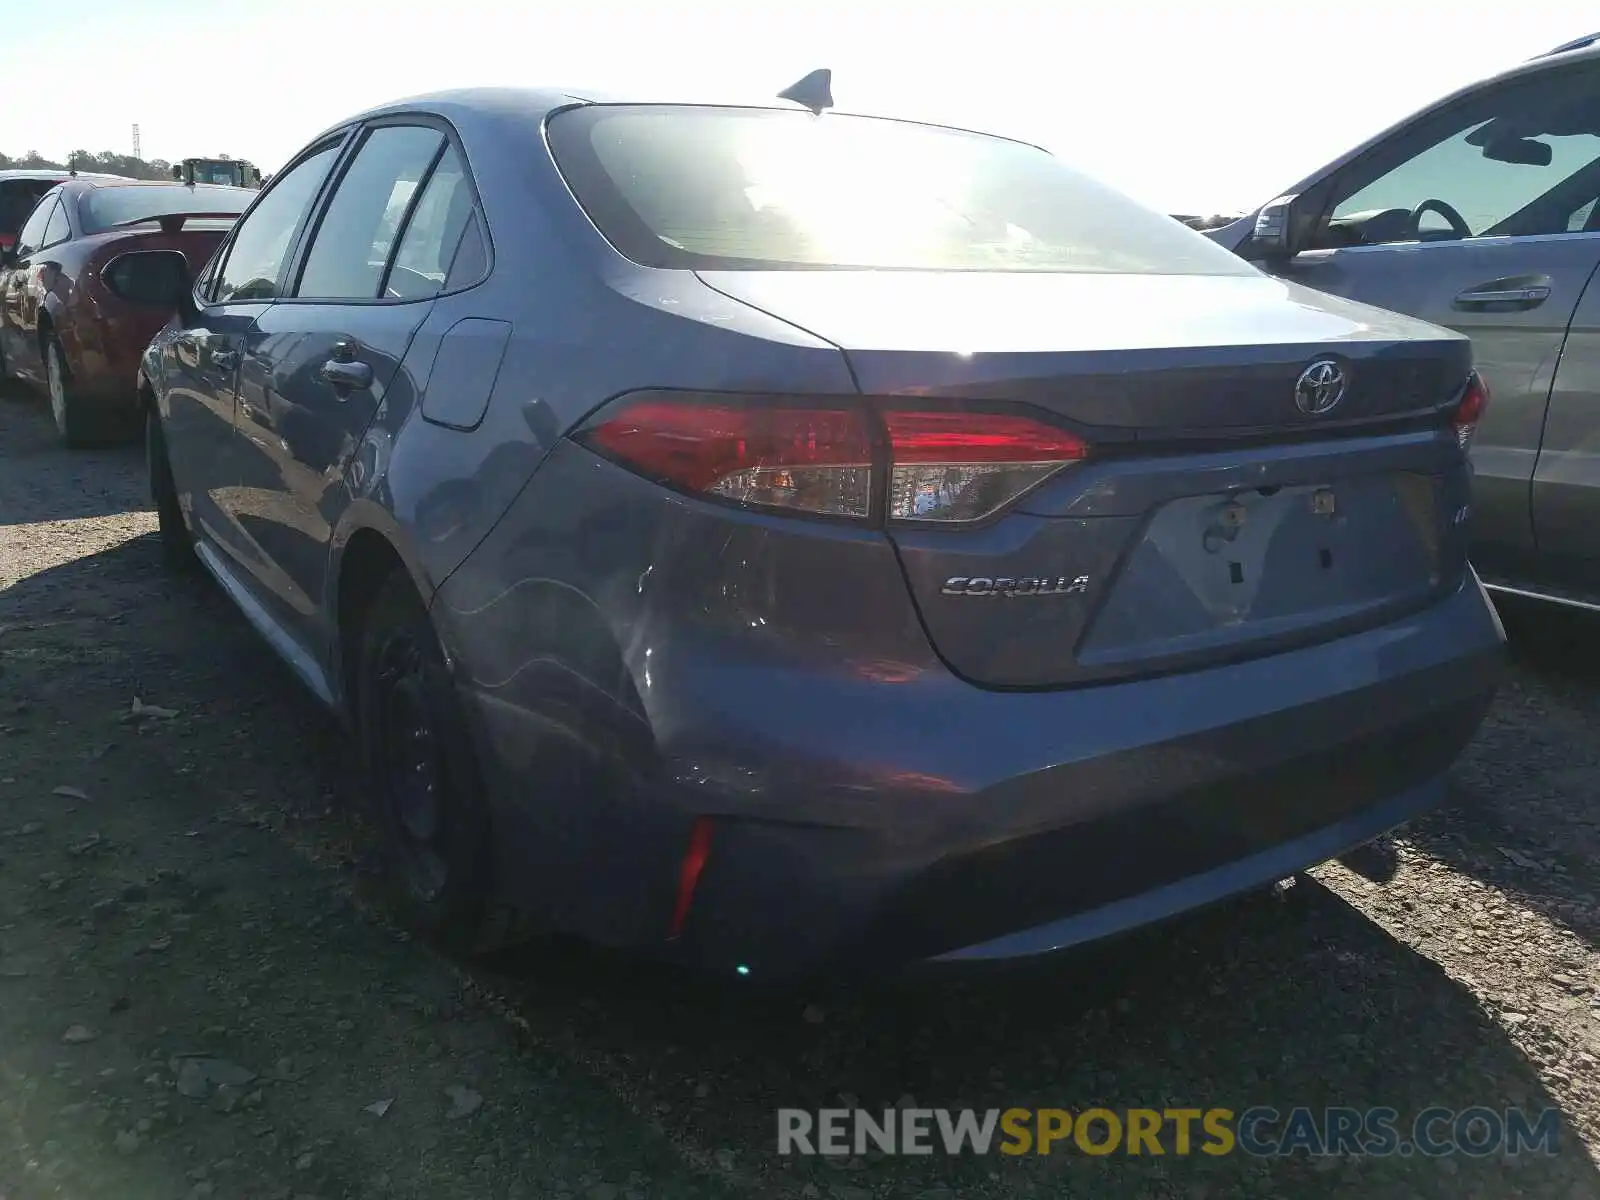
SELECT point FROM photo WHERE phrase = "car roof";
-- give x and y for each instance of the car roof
(98, 181)
(59, 175)
(469, 106)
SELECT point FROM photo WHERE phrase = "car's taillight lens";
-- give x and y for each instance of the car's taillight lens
(1469, 409)
(816, 460)
(962, 466)
(939, 464)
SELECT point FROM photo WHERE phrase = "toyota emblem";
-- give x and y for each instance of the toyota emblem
(1319, 388)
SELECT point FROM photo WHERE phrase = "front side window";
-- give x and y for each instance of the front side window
(1522, 160)
(757, 189)
(105, 208)
(351, 247)
(31, 236)
(261, 241)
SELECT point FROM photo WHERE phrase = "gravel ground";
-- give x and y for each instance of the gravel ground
(200, 997)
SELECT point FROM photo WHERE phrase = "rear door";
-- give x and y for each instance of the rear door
(1430, 223)
(332, 351)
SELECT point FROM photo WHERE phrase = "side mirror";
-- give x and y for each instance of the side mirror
(255, 174)
(177, 170)
(151, 279)
(1280, 232)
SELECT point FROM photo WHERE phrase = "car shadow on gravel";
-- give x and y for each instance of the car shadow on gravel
(1525, 814)
(98, 482)
(1302, 1003)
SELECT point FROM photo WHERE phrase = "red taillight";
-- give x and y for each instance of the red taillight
(962, 466)
(940, 465)
(816, 460)
(1469, 409)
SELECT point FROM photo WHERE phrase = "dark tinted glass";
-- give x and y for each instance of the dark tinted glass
(104, 207)
(17, 198)
(753, 188)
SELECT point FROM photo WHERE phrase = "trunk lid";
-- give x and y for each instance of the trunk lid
(1167, 356)
(1215, 518)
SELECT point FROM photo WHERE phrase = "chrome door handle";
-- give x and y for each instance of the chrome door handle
(225, 360)
(1527, 296)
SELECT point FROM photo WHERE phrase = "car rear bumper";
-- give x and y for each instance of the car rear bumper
(859, 823)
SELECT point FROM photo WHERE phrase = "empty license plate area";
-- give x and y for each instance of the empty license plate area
(1212, 571)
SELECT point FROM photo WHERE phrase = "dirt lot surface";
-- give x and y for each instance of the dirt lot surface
(200, 997)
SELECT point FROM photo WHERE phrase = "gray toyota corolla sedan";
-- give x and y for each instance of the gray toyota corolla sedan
(784, 541)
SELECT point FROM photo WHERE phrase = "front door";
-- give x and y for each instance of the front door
(1482, 218)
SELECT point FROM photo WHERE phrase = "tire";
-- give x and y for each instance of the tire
(177, 544)
(423, 780)
(10, 389)
(78, 421)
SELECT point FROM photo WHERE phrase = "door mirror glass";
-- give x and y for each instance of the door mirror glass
(1278, 232)
(149, 278)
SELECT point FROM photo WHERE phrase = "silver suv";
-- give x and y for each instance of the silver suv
(1480, 213)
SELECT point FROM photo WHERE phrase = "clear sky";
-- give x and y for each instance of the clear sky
(1204, 107)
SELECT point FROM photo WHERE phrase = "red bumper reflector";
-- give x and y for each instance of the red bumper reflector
(694, 862)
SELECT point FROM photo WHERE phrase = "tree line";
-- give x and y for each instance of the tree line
(106, 161)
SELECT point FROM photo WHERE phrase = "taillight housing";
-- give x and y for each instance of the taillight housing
(850, 460)
(1469, 409)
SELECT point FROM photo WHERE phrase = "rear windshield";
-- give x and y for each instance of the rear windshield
(103, 207)
(758, 189)
(17, 198)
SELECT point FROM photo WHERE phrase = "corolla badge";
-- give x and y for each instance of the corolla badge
(1031, 585)
(1320, 387)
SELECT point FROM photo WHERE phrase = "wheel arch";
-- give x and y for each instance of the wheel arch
(367, 548)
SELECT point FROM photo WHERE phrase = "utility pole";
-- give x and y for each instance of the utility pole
(136, 153)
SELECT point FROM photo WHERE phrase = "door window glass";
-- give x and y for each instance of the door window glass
(1522, 161)
(17, 200)
(261, 241)
(59, 230)
(351, 247)
(31, 236)
(433, 233)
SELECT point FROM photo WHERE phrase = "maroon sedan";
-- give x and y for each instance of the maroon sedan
(66, 321)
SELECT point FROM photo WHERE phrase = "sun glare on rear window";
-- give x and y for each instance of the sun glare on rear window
(732, 188)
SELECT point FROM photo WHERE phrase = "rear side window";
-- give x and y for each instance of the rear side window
(59, 229)
(352, 244)
(429, 243)
(707, 188)
(31, 236)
